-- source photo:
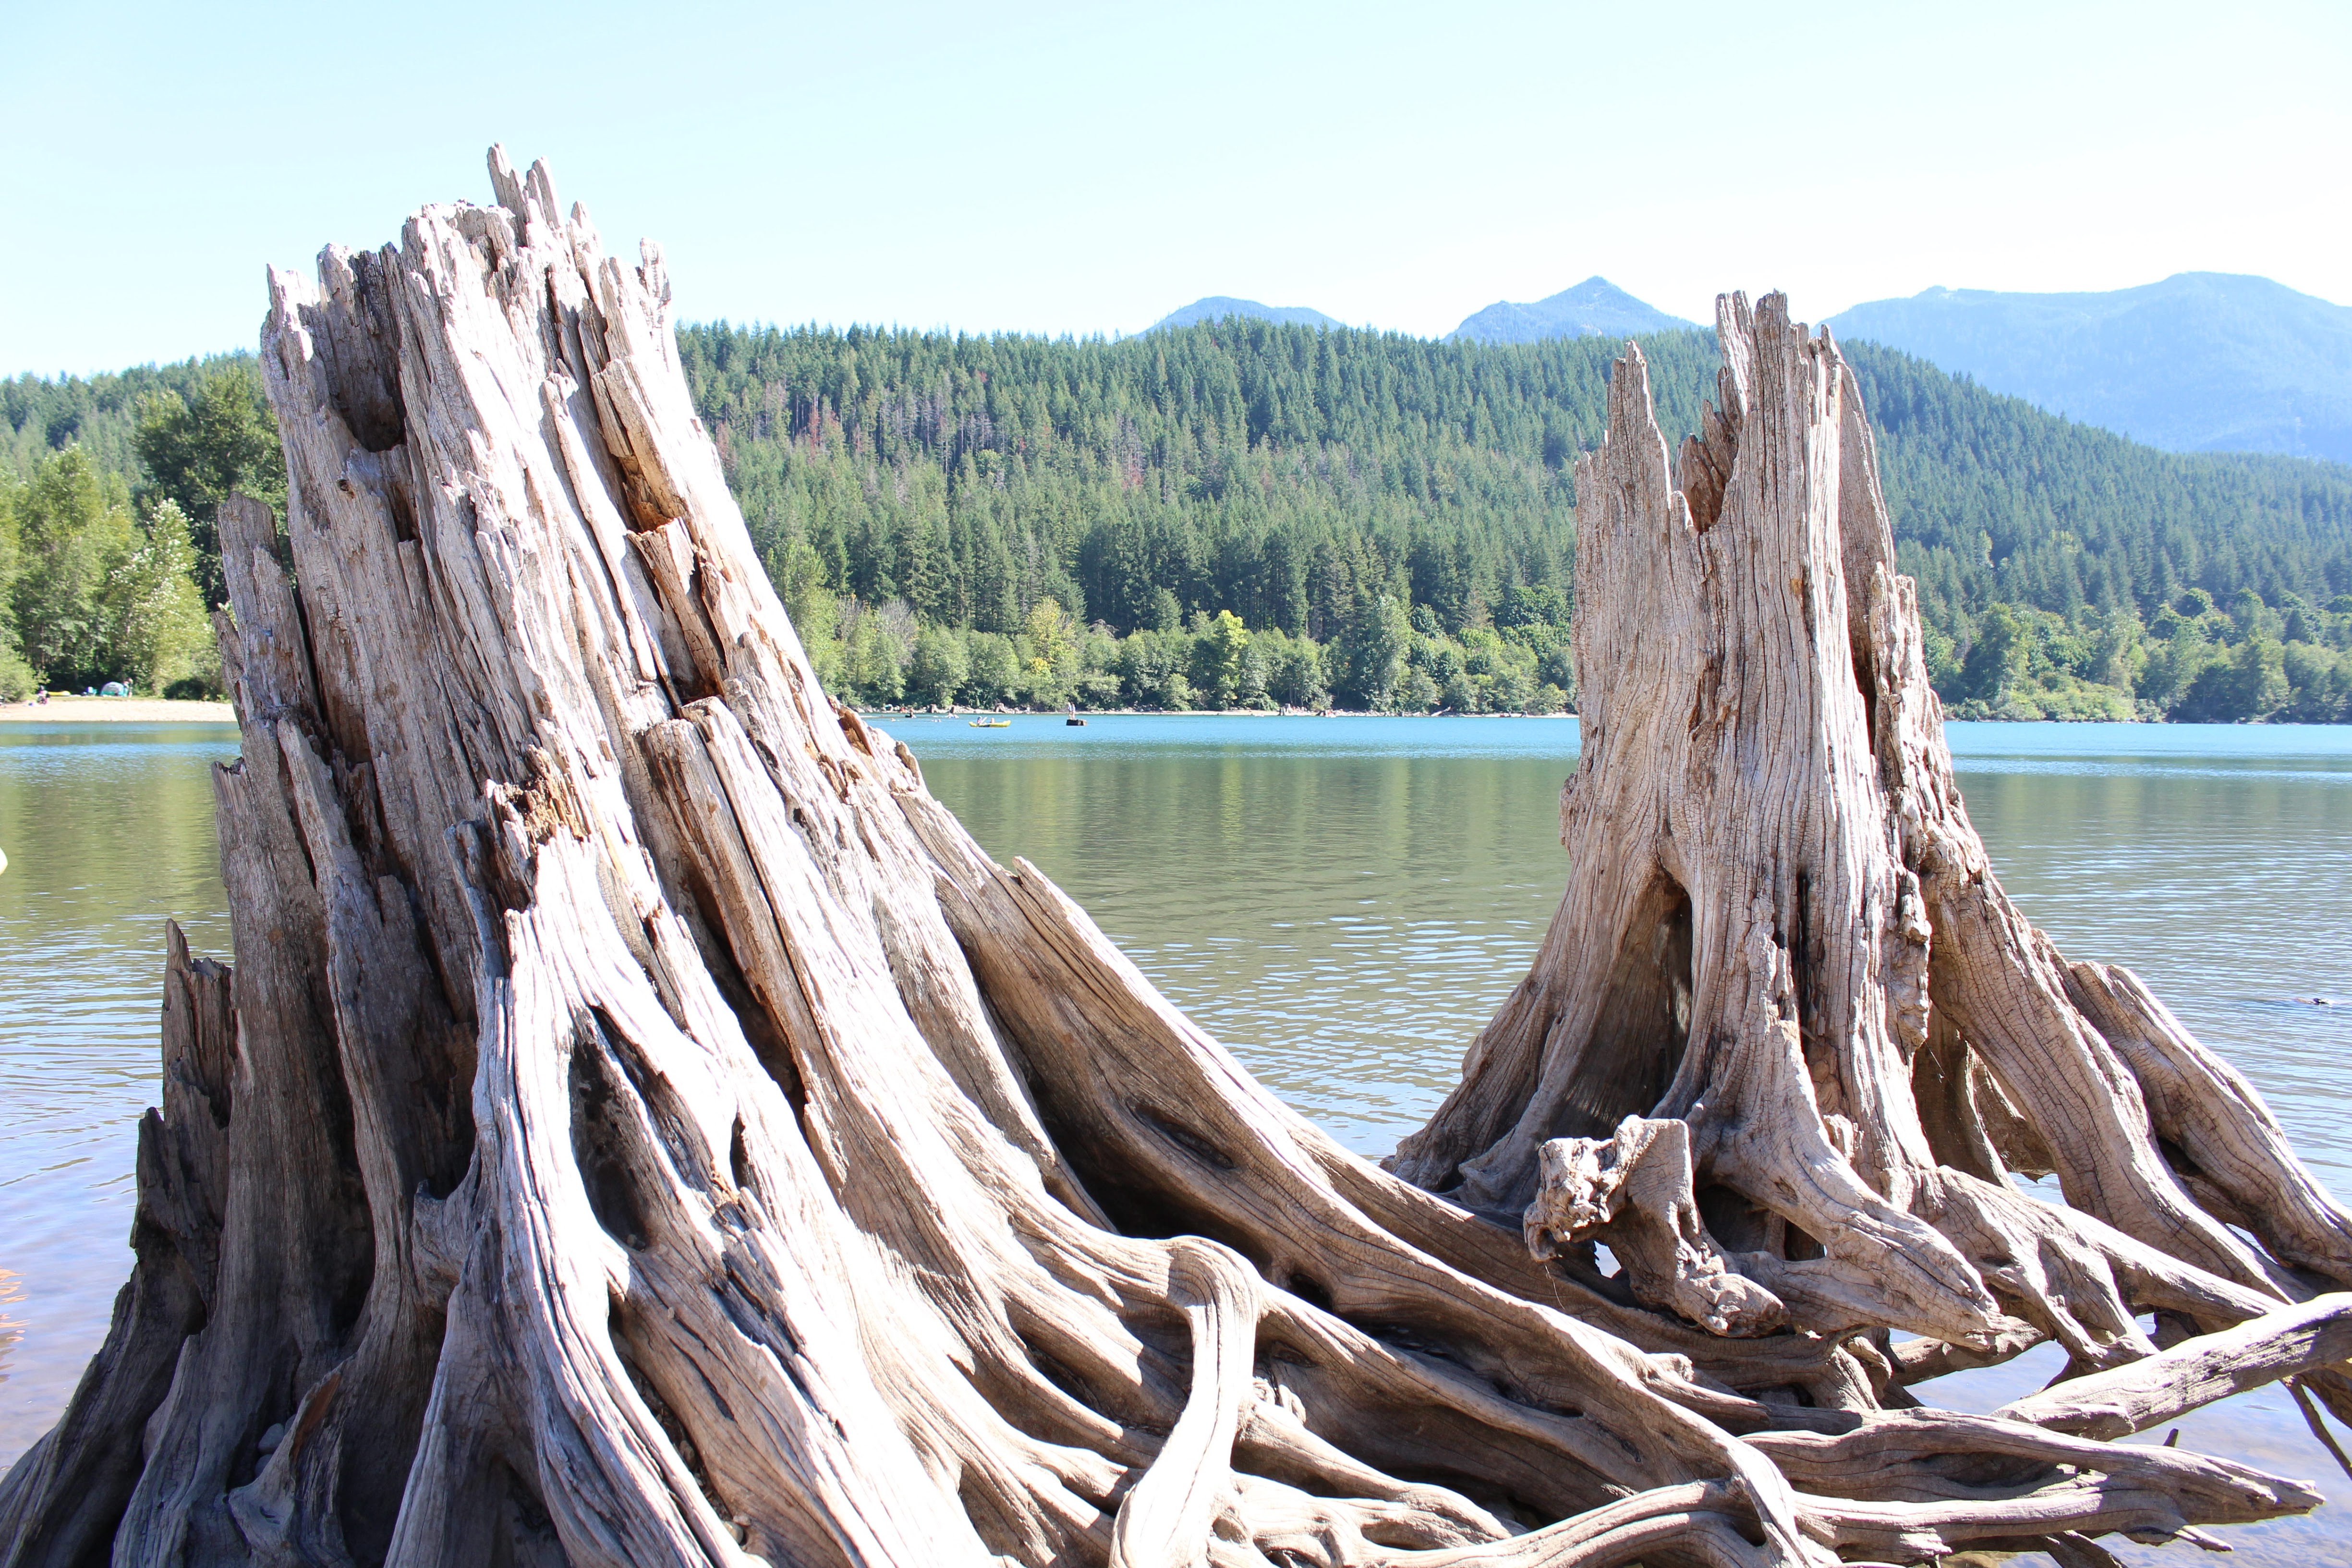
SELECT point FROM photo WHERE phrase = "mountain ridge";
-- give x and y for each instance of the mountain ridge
(1217, 307)
(2198, 361)
(1594, 308)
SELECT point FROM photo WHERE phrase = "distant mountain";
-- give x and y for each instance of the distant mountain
(2203, 362)
(1594, 308)
(1217, 307)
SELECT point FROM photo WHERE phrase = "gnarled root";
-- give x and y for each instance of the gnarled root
(1165, 1518)
(1917, 1483)
(2133, 1397)
(1635, 1192)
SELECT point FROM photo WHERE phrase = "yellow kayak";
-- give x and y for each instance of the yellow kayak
(991, 723)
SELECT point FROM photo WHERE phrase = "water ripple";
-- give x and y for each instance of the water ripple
(1344, 903)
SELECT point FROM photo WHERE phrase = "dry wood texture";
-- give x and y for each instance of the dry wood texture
(644, 1128)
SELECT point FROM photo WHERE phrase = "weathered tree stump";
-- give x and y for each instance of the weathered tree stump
(643, 1127)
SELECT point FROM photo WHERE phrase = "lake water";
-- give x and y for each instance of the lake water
(1343, 901)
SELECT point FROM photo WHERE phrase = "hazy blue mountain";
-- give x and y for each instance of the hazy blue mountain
(1594, 308)
(1217, 307)
(2203, 362)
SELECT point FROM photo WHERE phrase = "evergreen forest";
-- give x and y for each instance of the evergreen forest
(1243, 513)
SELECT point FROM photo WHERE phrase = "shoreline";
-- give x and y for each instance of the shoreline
(117, 710)
(166, 711)
(887, 713)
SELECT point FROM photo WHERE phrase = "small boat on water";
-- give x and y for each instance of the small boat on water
(991, 723)
(1073, 722)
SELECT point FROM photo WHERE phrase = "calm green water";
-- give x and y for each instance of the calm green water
(1344, 902)
(109, 831)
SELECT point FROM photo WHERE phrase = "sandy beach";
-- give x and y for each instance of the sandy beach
(116, 710)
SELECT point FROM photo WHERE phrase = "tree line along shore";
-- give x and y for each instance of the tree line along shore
(1243, 515)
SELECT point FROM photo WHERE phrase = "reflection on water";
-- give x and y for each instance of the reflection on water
(1343, 901)
(12, 1327)
(1342, 907)
(109, 830)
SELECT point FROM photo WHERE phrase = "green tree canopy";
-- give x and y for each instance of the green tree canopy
(156, 635)
(73, 524)
(200, 448)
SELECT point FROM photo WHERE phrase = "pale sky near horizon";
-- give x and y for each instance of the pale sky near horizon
(1073, 168)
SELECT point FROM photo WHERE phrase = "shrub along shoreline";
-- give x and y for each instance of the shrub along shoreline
(1386, 659)
(117, 710)
(2195, 662)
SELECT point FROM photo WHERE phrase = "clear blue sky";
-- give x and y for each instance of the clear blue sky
(1088, 168)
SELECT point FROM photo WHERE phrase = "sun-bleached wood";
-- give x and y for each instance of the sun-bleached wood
(2132, 1398)
(1782, 940)
(643, 1127)
(1637, 1187)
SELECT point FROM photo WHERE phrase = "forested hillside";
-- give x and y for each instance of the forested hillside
(1996, 499)
(1243, 466)
(1390, 517)
(1294, 477)
(99, 414)
(1246, 512)
(2067, 572)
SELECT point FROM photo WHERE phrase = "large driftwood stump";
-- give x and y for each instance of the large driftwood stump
(644, 1128)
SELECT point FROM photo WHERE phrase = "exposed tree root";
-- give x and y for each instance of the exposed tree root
(644, 1128)
(2144, 1394)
